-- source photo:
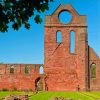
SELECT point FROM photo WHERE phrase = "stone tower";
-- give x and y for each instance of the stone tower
(63, 70)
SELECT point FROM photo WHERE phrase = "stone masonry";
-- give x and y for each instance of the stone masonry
(19, 80)
(66, 71)
(63, 70)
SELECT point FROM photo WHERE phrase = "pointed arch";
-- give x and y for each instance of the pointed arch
(41, 70)
(39, 84)
(72, 42)
(93, 70)
(58, 37)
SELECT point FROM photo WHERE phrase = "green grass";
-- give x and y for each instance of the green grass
(74, 95)
(48, 95)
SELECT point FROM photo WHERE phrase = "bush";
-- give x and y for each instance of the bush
(4, 89)
(30, 90)
(14, 89)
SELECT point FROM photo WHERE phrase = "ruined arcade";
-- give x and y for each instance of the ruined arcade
(64, 70)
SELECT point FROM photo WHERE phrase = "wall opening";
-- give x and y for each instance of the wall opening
(72, 42)
(58, 37)
(12, 69)
(27, 69)
(93, 70)
(41, 70)
(38, 84)
(65, 17)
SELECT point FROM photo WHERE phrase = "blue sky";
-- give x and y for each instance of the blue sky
(27, 46)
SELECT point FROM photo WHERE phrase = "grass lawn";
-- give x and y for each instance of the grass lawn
(48, 95)
(74, 95)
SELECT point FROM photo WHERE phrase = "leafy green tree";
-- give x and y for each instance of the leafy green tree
(18, 12)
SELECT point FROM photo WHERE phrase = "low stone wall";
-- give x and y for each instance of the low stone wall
(60, 98)
(17, 97)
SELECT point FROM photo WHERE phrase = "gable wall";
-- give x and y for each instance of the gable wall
(65, 71)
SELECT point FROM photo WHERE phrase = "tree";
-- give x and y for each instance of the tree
(18, 12)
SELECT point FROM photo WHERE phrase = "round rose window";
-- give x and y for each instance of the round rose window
(65, 17)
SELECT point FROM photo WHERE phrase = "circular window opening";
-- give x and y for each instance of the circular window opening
(65, 17)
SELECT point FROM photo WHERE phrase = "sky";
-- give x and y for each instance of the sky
(27, 46)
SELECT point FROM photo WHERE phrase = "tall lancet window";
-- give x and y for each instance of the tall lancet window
(58, 37)
(72, 42)
(41, 70)
(93, 70)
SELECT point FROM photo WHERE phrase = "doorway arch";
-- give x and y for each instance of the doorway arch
(38, 84)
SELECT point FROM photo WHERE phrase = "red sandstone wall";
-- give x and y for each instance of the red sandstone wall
(94, 58)
(65, 71)
(18, 79)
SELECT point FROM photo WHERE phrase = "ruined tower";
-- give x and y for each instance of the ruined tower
(65, 70)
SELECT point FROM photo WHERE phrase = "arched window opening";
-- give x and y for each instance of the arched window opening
(12, 69)
(41, 70)
(72, 42)
(27, 69)
(58, 37)
(93, 70)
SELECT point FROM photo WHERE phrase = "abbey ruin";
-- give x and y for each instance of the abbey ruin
(63, 70)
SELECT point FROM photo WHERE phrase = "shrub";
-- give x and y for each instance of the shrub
(30, 90)
(14, 89)
(4, 89)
